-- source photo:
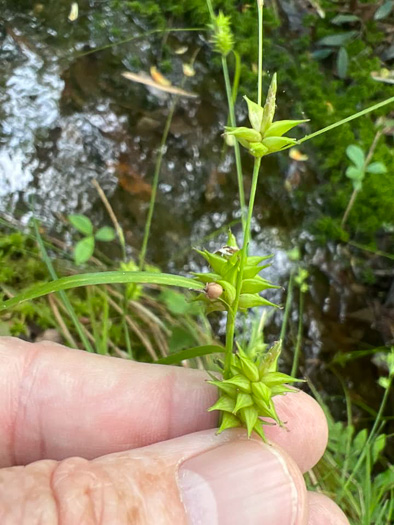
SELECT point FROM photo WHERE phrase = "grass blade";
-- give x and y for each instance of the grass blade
(190, 353)
(62, 295)
(85, 279)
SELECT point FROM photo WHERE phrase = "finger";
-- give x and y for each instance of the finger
(198, 478)
(305, 434)
(323, 511)
(56, 402)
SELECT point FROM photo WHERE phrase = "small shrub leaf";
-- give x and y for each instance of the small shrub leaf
(384, 10)
(81, 223)
(342, 62)
(354, 173)
(106, 234)
(356, 155)
(84, 250)
(321, 54)
(360, 440)
(344, 19)
(338, 39)
(377, 168)
(378, 447)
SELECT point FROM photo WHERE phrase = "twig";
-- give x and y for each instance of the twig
(112, 215)
(52, 302)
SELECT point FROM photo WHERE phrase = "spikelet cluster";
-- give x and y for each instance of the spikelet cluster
(246, 396)
(265, 136)
(222, 37)
(250, 384)
(220, 283)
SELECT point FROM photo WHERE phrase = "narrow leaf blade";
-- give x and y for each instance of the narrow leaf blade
(86, 279)
(190, 353)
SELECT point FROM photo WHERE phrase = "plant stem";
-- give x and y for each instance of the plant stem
(287, 307)
(112, 215)
(210, 9)
(155, 184)
(136, 37)
(231, 316)
(345, 120)
(352, 200)
(368, 249)
(122, 242)
(260, 4)
(230, 328)
(294, 367)
(67, 304)
(237, 75)
(366, 162)
(231, 93)
(237, 153)
(373, 147)
(370, 438)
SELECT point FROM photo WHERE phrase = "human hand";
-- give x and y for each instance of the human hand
(146, 447)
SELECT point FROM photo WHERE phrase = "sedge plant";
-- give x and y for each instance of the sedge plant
(233, 285)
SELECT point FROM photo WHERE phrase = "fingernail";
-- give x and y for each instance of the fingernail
(243, 482)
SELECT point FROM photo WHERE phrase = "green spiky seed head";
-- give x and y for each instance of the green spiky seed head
(246, 396)
(265, 136)
(222, 36)
(221, 283)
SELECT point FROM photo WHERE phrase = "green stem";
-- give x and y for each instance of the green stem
(62, 294)
(237, 153)
(210, 9)
(368, 249)
(230, 328)
(366, 162)
(296, 358)
(352, 200)
(345, 120)
(237, 76)
(260, 4)
(370, 438)
(143, 35)
(287, 307)
(155, 184)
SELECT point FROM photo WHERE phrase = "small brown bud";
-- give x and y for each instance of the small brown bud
(213, 290)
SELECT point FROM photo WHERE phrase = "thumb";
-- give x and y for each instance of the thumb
(195, 479)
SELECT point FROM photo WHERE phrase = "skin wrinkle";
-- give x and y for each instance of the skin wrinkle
(171, 386)
(296, 484)
(25, 495)
(29, 359)
(79, 491)
(54, 497)
(150, 484)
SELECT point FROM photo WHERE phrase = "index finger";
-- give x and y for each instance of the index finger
(56, 402)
